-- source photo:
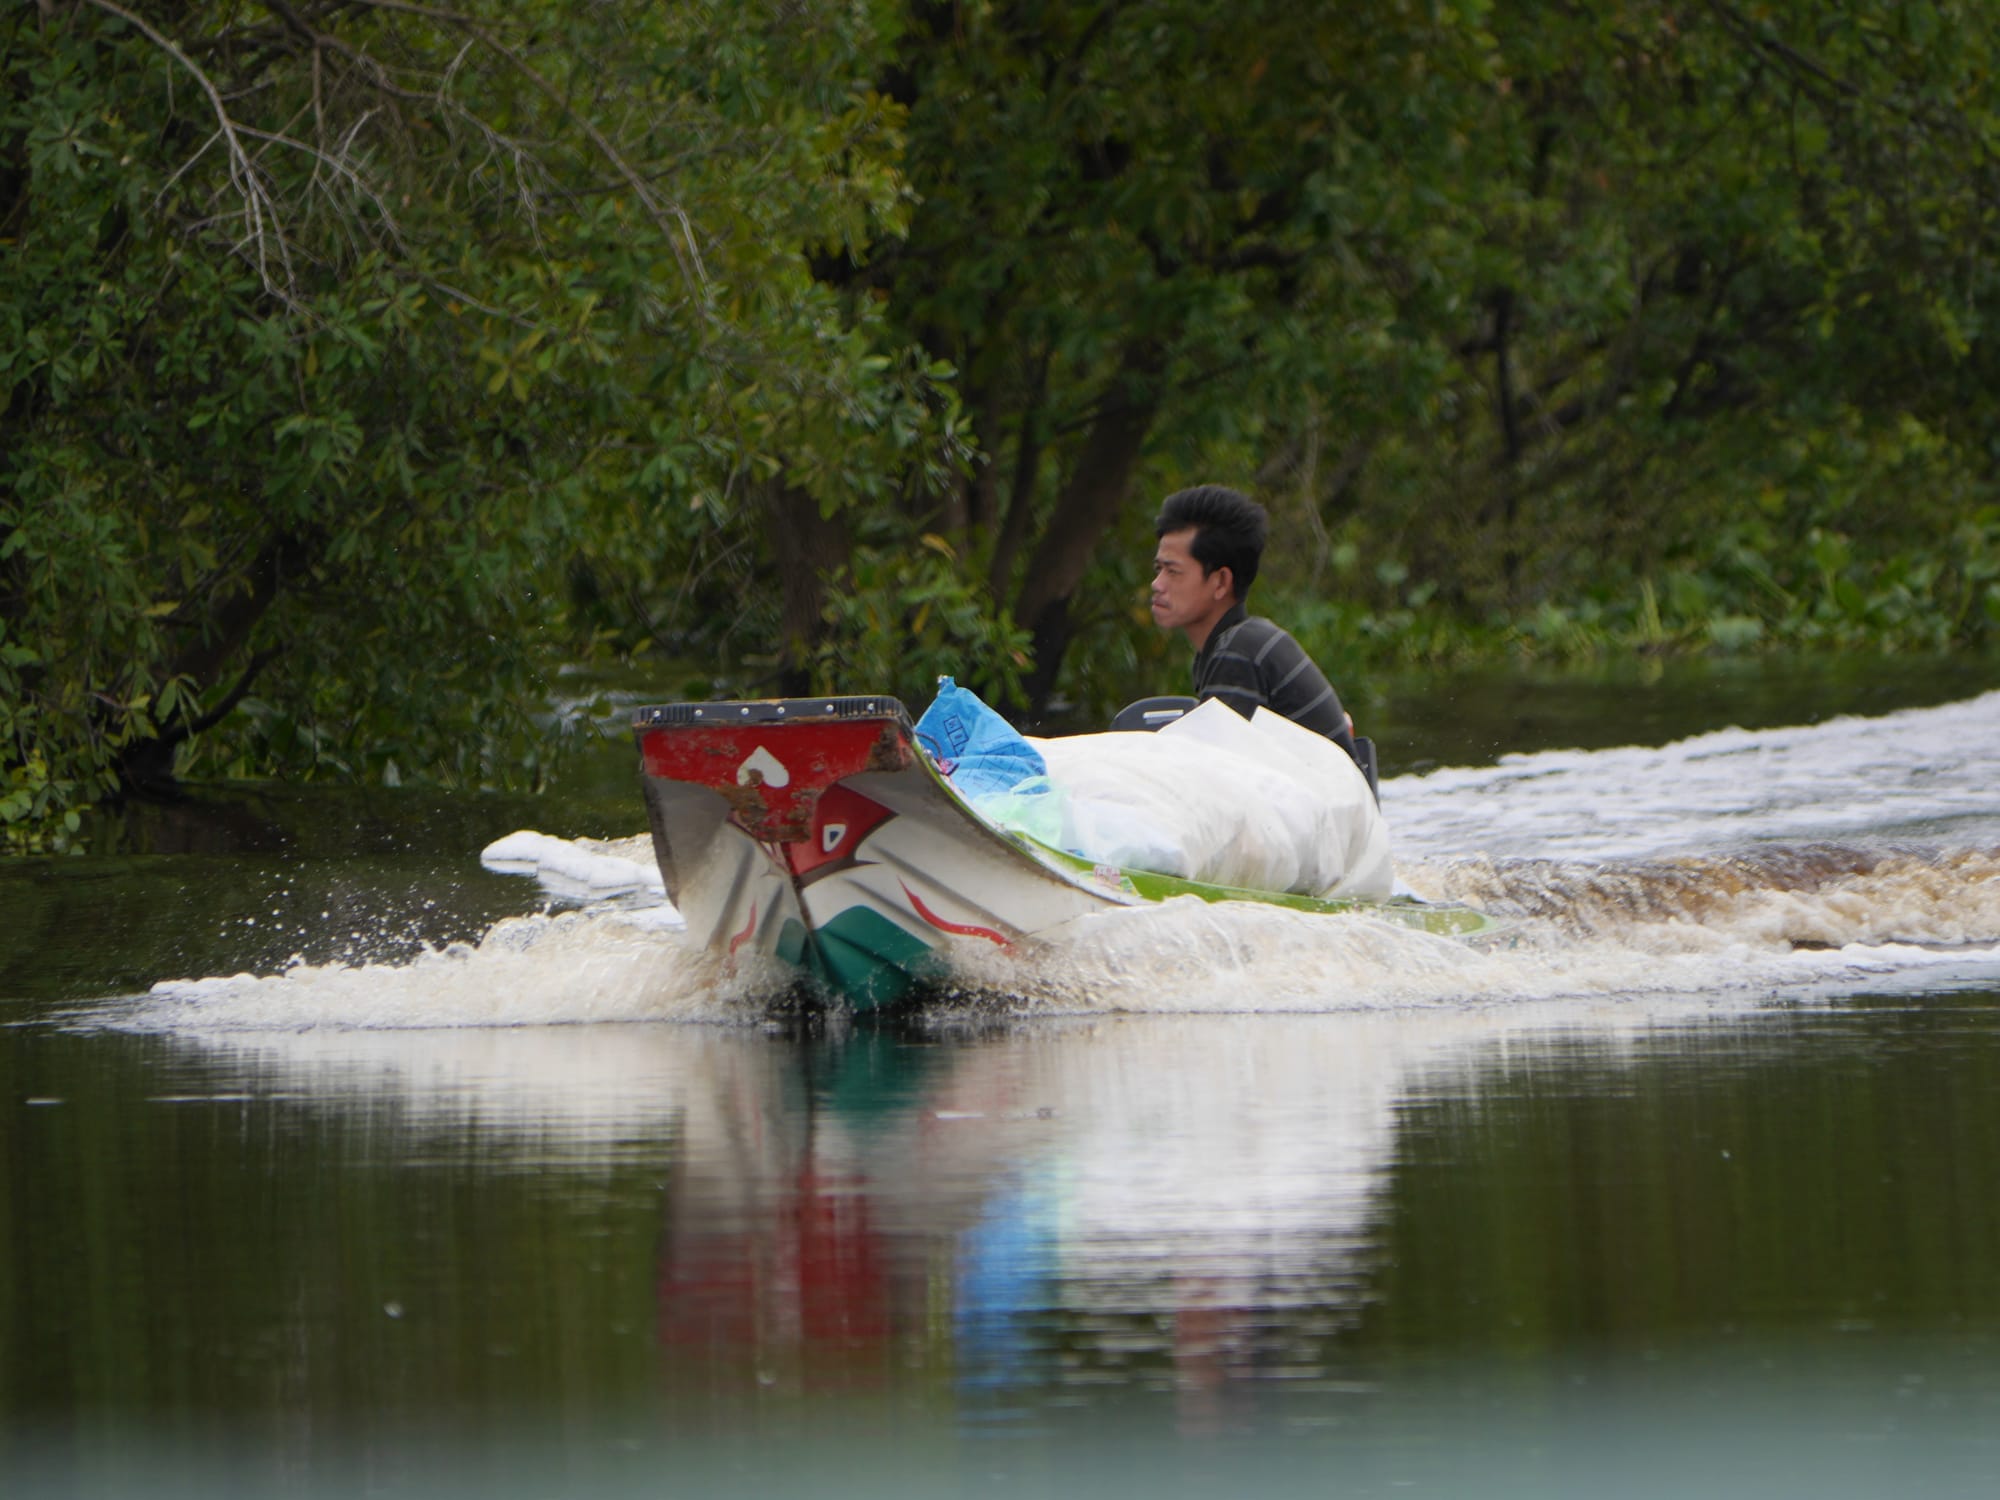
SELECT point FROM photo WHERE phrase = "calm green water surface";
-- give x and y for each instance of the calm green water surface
(1467, 1254)
(1581, 1248)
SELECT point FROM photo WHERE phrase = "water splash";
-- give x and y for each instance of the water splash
(1613, 940)
(609, 964)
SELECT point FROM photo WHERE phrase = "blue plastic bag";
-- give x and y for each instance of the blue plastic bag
(981, 752)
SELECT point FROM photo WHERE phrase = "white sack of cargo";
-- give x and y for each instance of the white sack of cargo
(1338, 822)
(1220, 798)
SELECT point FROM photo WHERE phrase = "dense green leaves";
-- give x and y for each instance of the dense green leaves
(336, 334)
(359, 361)
(1512, 314)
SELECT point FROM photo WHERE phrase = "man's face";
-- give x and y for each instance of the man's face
(1182, 594)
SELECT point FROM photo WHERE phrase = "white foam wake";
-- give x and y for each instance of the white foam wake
(1187, 956)
(1929, 772)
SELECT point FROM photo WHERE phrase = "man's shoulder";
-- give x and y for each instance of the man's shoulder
(1266, 627)
(1251, 635)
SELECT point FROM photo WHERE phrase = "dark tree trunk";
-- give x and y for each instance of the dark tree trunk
(1049, 643)
(1508, 411)
(982, 491)
(1021, 494)
(808, 549)
(1085, 511)
(147, 766)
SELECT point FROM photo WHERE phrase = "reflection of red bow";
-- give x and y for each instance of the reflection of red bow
(843, 1289)
(805, 1288)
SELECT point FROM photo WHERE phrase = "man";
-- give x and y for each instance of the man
(1211, 540)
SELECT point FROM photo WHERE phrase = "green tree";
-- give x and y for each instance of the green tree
(1677, 308)
(1722, 309)
(332, 334)
(1140, 226)
(360, 358)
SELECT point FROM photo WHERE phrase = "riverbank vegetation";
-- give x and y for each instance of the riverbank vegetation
(362, 359)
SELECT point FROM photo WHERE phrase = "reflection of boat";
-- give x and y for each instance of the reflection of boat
(1190, 1202)
(817, 831)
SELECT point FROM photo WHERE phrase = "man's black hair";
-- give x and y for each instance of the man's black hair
(1229, 530)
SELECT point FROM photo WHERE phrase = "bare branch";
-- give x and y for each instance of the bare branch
(264, 228)
(666, 216)
(428, 12)
(671, 220)
(337, 163)
(264, 217)
(525, 167)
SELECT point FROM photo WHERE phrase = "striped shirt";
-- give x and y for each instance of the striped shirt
(1249, 663)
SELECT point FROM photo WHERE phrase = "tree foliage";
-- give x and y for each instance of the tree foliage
(361, 358)
(1140, 228)
(333, 332)
(1565, 324)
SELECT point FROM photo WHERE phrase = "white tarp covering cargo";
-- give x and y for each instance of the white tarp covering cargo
(1262, 804)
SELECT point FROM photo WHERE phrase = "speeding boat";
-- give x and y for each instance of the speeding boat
(819, 832)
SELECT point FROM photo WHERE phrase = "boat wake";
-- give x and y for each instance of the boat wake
(1617, 930)
(1791, 895)
(1852, 857)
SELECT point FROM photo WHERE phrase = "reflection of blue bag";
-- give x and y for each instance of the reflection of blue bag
(980, 751)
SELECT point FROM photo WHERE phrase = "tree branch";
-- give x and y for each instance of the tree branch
(669, 218)
(258, 206)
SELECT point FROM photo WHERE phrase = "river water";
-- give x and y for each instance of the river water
(336, 1164)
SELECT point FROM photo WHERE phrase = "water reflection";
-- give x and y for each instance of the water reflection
(1042, 1210)
(1393, 1246)
(1186, 1206)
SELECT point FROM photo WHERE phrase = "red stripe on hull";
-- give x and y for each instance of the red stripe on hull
(744, 936)
(963, 929)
